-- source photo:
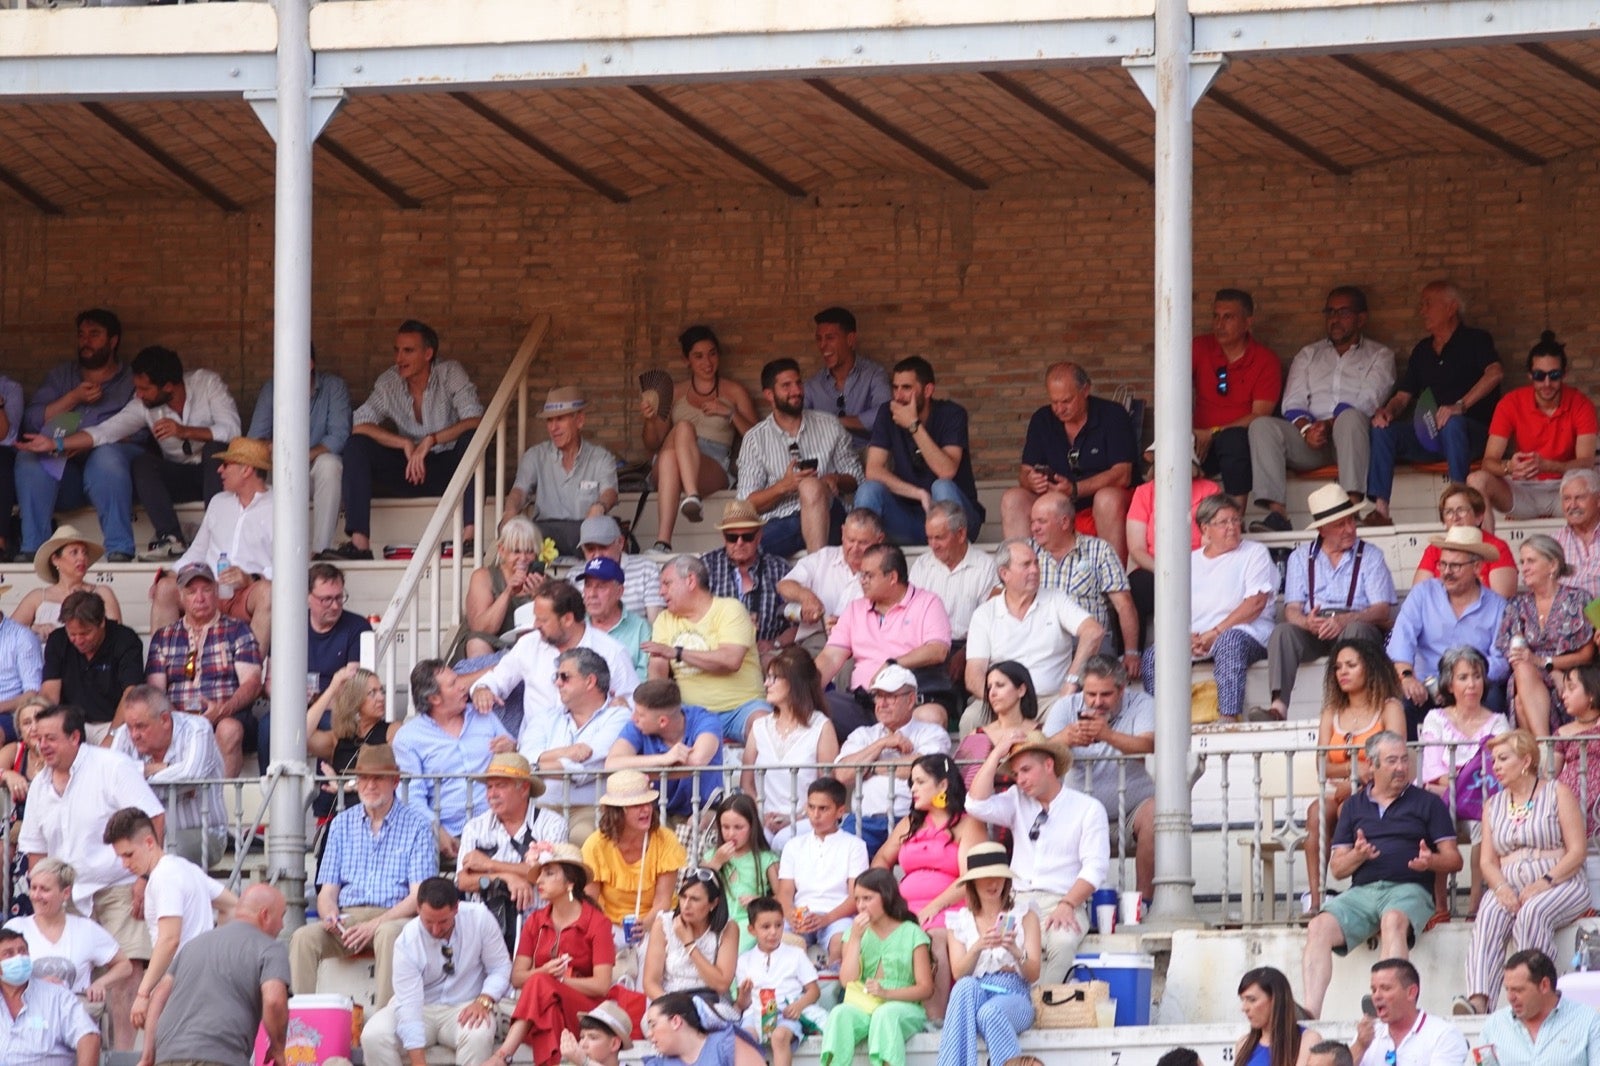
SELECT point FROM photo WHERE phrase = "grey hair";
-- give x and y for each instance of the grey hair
(519, 533)
(1449, 288)
(1378, 740)
(1454, 657)
(1106, 666)
(589, 663)
(691, 566)
(954, 515)
(155, 699)
(1002, 552)
(1080, 376)
(866, 519)
(63, 872)
(1586, 474)
(1548, 547)
(1214, 505)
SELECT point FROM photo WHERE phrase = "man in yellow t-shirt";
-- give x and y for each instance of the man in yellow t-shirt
(708, 645)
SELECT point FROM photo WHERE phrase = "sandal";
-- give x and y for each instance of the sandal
(661, 546)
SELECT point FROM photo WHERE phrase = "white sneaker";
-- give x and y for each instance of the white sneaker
(163, 549)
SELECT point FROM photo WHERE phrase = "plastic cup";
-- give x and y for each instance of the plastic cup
(1130, 909)
(1105, 1014)
(1105, 916)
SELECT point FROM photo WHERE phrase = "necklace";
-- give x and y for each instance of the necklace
(1519, 812)
(716, 385)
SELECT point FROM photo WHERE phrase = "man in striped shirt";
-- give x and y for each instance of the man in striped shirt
(796, 465)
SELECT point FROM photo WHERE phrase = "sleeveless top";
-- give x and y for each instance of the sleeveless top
(680, 974)
(1357, 740)
(782, 789)
(715, 428)
(930, 861)
(497, 585)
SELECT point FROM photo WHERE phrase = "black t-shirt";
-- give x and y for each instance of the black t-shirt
(1452, 373)
(946, 422)
(95, 686)
(1106, 439)
(1397, 831)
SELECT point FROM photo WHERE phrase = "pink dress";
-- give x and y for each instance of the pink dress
(931, 863)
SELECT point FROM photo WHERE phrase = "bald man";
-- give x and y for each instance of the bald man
(223, 986)
(1083, 447)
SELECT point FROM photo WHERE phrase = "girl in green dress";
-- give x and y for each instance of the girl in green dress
(748, 866)
(887, 971)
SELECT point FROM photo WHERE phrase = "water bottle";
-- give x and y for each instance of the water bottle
(223, 591)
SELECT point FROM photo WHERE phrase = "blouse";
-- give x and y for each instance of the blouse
(588, 941)
(889, 959)
(962, 925)
(1438, 732)
(783, 789)
(1565, 629)
(1581, 772)
(623, 891)
(680, 974)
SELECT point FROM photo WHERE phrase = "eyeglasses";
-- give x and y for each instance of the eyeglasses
(1340, 312)
(562, 675)
(449, 954)
(1038, 825)
(1547, 375)
(339, 598)
(1450, 568)
(839, 401)
(740, 536)
(1222, 381)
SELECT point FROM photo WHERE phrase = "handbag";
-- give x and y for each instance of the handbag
(857, 996)
(1204, 706)
(1069, 1005)
(1474, 785)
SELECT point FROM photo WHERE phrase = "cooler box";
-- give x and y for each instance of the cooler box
(1581, 986)
(319, 1030)
(1129, 974)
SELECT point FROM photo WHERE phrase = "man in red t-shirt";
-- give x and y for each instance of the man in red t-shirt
(1554, 428)
(1237, 380)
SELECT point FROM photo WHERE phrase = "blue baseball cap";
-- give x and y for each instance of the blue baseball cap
(602, 567)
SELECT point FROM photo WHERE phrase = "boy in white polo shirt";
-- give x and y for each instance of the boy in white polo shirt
(180, 901)
(817, 874)
(783, 970)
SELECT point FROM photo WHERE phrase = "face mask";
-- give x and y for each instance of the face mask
(16, 970)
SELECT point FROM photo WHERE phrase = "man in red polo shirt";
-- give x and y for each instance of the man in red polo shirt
(1237, 380)
(1554, 428)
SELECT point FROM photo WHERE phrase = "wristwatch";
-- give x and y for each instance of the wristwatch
(915, 426)
(483, 883)
(677, 654)
(1072, 679)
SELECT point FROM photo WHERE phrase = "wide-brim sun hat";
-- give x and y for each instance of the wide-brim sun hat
(987, 860)
(565, 853)
(1329, 503)
(563, 400)
(1467, 539)
(614, 1018)
(1037, 741)
(628, 788)
(248, 451)
(740, 514)
(67, 534)
(512, 766)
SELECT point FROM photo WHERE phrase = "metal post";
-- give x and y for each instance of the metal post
(1173, 903)
(291, 450)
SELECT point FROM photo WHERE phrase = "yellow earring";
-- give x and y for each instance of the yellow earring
(941, 801)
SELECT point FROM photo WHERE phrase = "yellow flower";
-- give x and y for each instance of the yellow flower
(547, 551)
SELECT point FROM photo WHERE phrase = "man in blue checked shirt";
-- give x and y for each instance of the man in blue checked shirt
(378, 855)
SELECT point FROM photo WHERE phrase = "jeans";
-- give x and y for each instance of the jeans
(904, 519)
(783, 536)
(370, 469)
(100, 478)
(1460, 441)
(873, 830)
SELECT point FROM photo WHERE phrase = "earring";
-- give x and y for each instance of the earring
(941, 801)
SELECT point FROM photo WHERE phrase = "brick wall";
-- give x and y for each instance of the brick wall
(991, 286)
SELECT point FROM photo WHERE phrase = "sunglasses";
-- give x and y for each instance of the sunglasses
(449, 954)
(1547, 375)
(745, 536)
(703, 874)
(191, 664)
(839, 401)
(1038, 826)
(1222, 381)
(563, 676)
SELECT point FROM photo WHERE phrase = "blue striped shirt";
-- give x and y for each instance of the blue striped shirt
(378, 870)
(1568, 1036)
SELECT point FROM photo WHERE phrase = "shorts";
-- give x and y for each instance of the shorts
(1535, 499)
(113, 909)
(823, 937)
(234, 606)
(1359, 910)
(717, 452)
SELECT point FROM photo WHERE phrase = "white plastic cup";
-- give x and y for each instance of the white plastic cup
(1105, 917)
(1130, 909)
(1105, 1014)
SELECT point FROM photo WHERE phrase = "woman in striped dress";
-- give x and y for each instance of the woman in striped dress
(1532, 862)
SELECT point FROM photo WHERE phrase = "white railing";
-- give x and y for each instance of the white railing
(422, 616)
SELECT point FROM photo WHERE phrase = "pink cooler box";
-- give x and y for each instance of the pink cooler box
(319, 1030)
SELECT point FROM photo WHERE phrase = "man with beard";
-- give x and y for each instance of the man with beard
(92, 389)
(190, 415)
(795, 465)
(919, 454)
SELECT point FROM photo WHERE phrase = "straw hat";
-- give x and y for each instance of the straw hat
(1467, 539)
(628, 788)
(511, 766)
(63, 536)
(741, 514)
(247, 451)
(375, 759)
(563, 400)
(1037, 741)
(1329, 504)
(987, 860)
(568, 854)
(614, 1018)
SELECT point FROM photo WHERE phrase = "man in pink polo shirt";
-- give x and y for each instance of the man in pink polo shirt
(892, 621)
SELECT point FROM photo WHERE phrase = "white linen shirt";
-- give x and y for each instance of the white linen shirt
(883, 792)
(1074, 839)
(68, 825)
(1322, 382)
(830, 579)
(206, 404)
(192, 755)
(961, 589)
(482, 966)
(531, 663)
(556, 729)
(822, 868)
(243, 534)
(1043, 639)
(1217, 586)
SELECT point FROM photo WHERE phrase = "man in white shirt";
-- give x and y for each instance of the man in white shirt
(178, 898)
(960, 575)
(177, 747)
(495, 844)
(450, 969)
(69, 804)
(1334, 386)
(560, 623)
(1061, 839)
(1043, 629)
(897, 741)
(825, 581)
(235, 540)
(571, 743)
(1402, 1035)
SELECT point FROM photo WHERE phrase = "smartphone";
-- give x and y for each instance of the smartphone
(1043, 468)
(807, 464)
(1367, 1008)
